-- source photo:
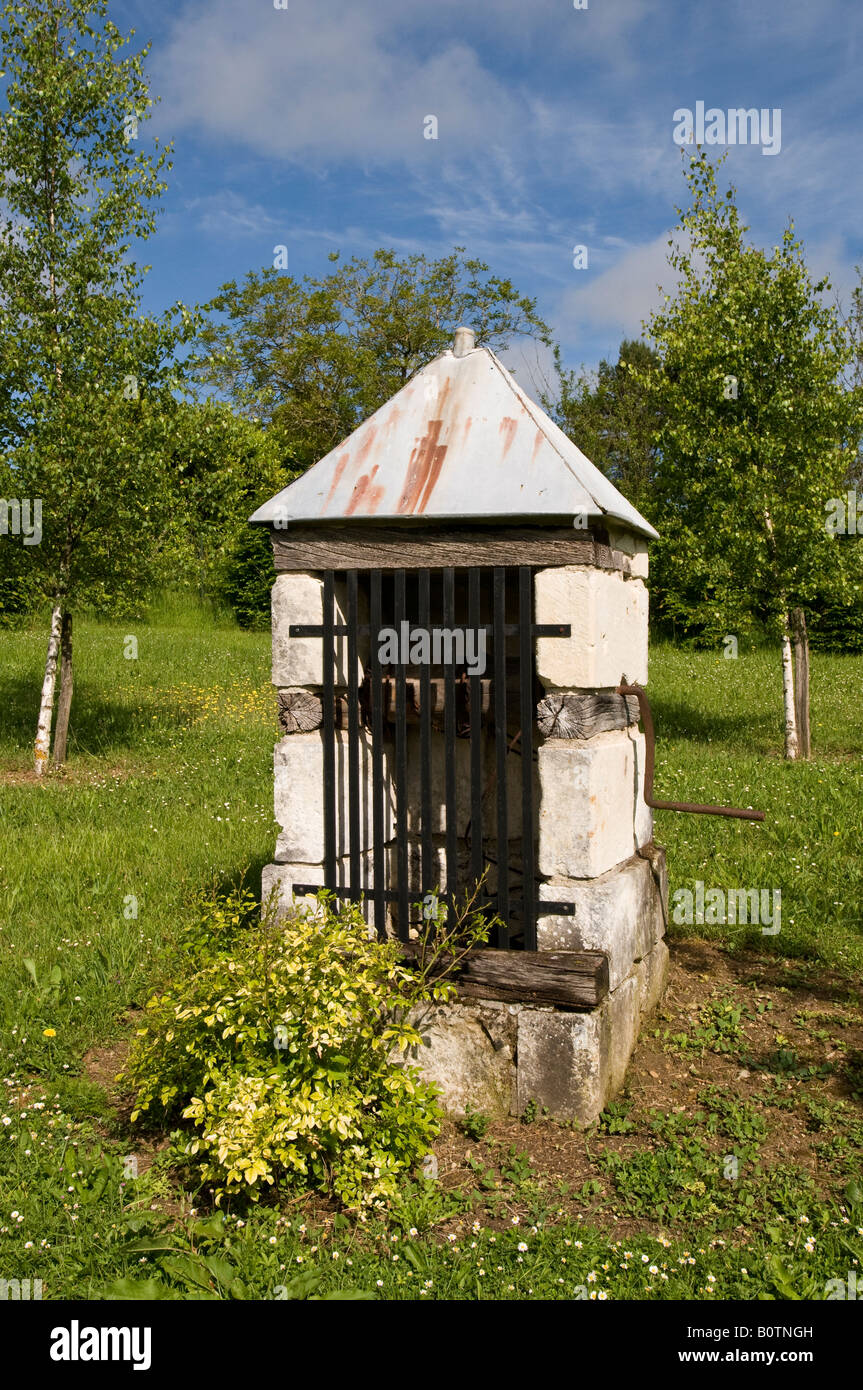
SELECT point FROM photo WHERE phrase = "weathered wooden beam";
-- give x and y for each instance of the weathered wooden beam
(572, 979)
(564, 714)
(388, 547)
(301, 711)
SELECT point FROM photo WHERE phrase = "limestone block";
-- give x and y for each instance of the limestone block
(279, 879)
(299, 598)
(621, 1022)
(653, 974)
(563, 1062)
(469, 1051)
(643, 813)
(575, 1063)
(299, 797)
(618, 913)
(607, 614)
(586, 805)
(656, 854)
(632, 545)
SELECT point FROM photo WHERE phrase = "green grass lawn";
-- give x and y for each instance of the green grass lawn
(169, 788)
(719, 741)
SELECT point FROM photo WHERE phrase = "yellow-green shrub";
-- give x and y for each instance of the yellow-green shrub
(276, 1045)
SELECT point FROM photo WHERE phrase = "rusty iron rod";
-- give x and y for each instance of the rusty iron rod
(650, 745)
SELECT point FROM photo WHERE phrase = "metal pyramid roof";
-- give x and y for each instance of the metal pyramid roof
(461, 441)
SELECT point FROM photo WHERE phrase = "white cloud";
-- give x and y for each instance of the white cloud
(333, 79)
(323, 81)
(615, 303)
(617, 299)
(229, 216)
(554, 129)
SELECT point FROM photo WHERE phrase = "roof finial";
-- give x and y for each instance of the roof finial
(463, 342)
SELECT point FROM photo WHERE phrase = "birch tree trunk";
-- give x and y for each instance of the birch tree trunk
(792, 747)
(46, 704)
(64, 703)
(800, 642)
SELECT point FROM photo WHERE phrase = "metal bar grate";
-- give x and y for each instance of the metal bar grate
(378, 850)
(500, 748)
(526, 710)
(329, 789)
(476, 846)
(403, 926)
(451, 810)
(474, 707)
(353, 732)
(427, 880)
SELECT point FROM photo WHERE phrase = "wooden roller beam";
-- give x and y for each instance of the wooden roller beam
(564, 714)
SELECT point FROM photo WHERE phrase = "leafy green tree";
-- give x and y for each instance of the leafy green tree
(248, 577)
(220, 466)
(611, 418)
(315, 357)
(86, 379)
(758, 431)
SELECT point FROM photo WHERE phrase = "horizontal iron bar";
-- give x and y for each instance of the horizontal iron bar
(509, 630)
(391, 896)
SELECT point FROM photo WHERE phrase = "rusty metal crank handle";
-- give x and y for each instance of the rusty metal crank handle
(650, 745)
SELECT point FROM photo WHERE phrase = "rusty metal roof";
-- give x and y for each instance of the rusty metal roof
(461, 441)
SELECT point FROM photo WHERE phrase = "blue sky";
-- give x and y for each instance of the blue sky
(304, 126)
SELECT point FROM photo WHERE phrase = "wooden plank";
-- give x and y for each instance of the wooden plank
(573, 979)
(389, 547)
(567, 715)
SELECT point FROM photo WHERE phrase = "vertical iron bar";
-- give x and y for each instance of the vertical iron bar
(476, 855)
(499, 638)
(428, 881)
(449, 746)
(403, 925)
(353, 734)
(329, 734)
(378, 854)
(525, 642)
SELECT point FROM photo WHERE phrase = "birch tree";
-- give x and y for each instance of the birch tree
(758, 431)
(85, 378)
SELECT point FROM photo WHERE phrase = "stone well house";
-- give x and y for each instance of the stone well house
(460, 593)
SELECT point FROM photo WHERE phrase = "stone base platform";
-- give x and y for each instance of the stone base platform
(496, 1058)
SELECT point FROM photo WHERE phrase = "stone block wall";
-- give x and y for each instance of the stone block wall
(594, 843)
